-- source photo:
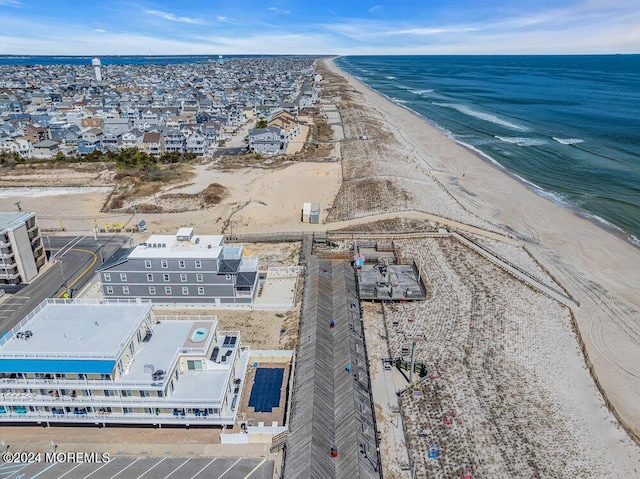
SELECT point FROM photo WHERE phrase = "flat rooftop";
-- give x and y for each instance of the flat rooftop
(10, 220)
(403, 283)
(168, 246)
(168, 337)
(89, 329)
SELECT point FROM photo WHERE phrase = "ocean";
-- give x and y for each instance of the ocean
(567, 126)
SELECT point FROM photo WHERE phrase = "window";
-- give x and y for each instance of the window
(198, 264)
(109, 289)
(199, 277)
(149, 277)
(183, 278)
(185, 290)
(152, 290)
(166, 278)
(126, 394)
(127, 410)
(125, 290)
(109, 392)
(105, 377)
(160, 394)
(181, 264)
(123, 276)
(148, 410)
(167, 290)
(144, 394)
(195, 365)
(147, 263)
(107, 276)
(201, 290)
(164, 263)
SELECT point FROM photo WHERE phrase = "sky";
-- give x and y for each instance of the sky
(346, 27)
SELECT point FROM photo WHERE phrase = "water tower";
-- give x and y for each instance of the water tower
(96, 69)
(219, 59)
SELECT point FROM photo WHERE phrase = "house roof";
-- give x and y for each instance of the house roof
(45, 144)
(151, 137)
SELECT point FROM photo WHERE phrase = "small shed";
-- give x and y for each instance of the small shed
(306, 212)
(314, 217)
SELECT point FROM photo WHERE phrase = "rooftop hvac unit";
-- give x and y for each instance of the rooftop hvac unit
(197, 240)
(209, 246)
(164, 245)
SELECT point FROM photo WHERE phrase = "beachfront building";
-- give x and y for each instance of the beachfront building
(97, 361)
(267, 141)
(182, 269)
(21, 250)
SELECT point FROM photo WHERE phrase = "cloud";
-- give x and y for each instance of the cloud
(10, 3)
(99, 30)
(279, 11)
(174, 18)
(376, 10)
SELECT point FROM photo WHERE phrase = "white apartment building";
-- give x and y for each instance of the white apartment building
(100, 361)
(21, 250)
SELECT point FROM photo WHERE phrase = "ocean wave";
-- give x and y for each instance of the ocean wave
(397, 100)
(521, 141)
(389, 77)
(568, 141)
(420, 92)
(465, 110)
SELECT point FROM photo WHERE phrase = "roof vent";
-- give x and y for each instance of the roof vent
(164, 245)
(197, 240)
(209, 246)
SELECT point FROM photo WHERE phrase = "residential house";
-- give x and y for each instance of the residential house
(131, 139)
(45, 149)
(196, 143)
(152, 143)
(267, 141)
(174, 141)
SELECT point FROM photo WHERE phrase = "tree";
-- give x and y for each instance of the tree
(262, 123)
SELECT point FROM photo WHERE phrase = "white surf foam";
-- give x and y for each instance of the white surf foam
(397, 100)
(420, 92)
(568, 141)
(480, 115)
(521, 141)
(389, 77)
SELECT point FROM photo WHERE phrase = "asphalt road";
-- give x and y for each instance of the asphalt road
(76, 268)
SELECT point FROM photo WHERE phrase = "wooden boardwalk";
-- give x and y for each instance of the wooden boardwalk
(332, 404)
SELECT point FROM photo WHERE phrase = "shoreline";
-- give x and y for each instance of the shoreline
(550, 196)
(594, 265)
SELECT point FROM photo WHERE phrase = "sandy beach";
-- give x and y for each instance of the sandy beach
(528, 355)
(597, 267)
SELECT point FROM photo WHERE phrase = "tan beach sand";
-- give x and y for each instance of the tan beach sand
(598, 268)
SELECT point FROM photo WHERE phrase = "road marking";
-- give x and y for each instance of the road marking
(193, 477)
(122, 470)
(88, 475)
(45, 470)
(255, 468)
(95, 259)
(178, 467)
(230, 467)
(147, 471)
(80, 464)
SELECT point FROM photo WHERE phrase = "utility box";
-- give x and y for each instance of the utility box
(306, 212)
(314, 217)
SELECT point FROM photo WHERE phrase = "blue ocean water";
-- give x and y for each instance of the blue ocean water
(569, 126)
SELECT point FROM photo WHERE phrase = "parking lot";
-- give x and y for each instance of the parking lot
(147, 468)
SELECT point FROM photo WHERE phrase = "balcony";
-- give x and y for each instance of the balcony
(105, 417)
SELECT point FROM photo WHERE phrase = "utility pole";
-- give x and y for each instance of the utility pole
(17, 203)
